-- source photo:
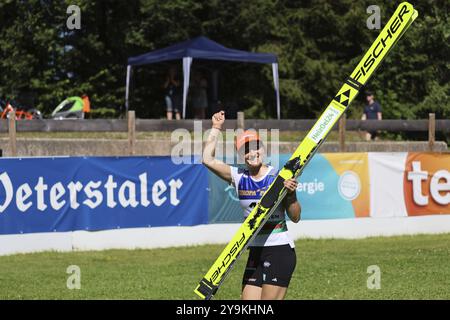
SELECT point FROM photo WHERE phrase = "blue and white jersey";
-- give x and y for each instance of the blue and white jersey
(250, 190)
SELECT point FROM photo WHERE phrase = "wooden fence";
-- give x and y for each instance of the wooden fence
(131, 125)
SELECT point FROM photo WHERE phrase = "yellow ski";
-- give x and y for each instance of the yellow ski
(391, 33)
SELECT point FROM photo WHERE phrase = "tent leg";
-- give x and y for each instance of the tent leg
(127, 88)
(187, 61)
(277, 87)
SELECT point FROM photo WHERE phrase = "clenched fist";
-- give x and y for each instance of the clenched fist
(218, 119)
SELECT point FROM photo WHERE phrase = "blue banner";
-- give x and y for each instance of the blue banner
(98, 193)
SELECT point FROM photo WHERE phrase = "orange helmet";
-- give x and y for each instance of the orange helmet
(245, 137)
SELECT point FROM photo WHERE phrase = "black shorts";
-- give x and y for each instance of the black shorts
(270, 265)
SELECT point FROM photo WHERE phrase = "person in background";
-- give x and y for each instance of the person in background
(172, 92)
(372, 111)
(86, 104)
(199, 95)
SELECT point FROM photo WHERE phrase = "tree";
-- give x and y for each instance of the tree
(318, 43)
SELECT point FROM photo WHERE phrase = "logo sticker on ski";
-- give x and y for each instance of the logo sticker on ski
(324, 124)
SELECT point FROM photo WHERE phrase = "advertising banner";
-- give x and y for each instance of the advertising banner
(409, 184)
(104, 193)
(98, 193)
(426, 184)
(353, 185)
(386, 184)
(332, 186)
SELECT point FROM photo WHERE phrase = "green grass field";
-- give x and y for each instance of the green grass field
(412, 267)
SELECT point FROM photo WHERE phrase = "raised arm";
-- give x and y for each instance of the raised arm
(220, 168)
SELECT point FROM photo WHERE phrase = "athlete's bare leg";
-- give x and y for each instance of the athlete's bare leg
(271, 292)
(250, 292)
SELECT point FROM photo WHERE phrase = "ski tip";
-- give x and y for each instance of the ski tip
(406, 3)
(408, 6)
(415, 15)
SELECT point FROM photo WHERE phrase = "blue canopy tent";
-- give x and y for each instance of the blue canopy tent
(201, 48)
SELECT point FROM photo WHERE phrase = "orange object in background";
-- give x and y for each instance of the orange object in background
(20, 114)
(86, 103)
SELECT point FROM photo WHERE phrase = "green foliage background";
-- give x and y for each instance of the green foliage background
(318, 43)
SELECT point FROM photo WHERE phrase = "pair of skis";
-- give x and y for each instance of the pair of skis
(391, 33)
